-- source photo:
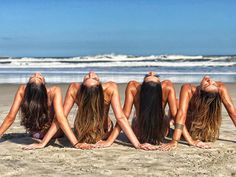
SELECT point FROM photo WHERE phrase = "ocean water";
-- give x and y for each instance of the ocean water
(119, 68)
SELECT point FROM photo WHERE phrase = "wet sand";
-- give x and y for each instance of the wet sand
(59, 159)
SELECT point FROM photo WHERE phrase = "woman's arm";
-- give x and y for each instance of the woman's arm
(171, 99)
(185, 96)
(61, 119)
(228, 103)
(123, 122)
(11, 116)
(129, 98)
(181, 114)
(68, 104)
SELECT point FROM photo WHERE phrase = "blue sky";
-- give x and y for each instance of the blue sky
(141, 27)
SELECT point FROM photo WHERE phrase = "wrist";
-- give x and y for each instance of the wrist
(192, 143)
(110, 141)
(75, 145)
(137, 146)
(174, 141)
(43, 144)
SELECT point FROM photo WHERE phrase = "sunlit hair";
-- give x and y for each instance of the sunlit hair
(34, 108)
(89, 120)
(204, 116)
(151, 114)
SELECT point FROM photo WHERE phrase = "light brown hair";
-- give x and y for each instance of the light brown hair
(204, 116)
(89, 121)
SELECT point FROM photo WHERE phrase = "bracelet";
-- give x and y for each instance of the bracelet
(175, 140)
(179, 126)
(75, 144)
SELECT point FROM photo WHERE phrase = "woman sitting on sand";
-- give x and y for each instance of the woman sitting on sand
(199, 113)
(92, 122)
(38, 106)
(149, 99)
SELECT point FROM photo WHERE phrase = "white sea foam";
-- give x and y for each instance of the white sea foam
(114, 64)
(112, 57)
(119, 68)
(119, 61)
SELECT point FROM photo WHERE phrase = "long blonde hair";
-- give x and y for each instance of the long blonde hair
(90, 115)
(204, 116)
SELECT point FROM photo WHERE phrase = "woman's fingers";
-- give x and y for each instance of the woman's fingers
(149, 147)
(85, 146)
(167, 147)
(203, 145)
(38, 140)
(32, 146)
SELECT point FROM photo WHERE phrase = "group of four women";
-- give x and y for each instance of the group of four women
(196, 115)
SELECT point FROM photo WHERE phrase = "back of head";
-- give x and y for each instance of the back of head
(90, 115)
(204, 116)
(151, 114)
(34, 108)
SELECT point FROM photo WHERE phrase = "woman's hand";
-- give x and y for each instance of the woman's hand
(33, 146)
(84, 146)
(200, 144)
(169, 146)
(148, 147)
(102, 144)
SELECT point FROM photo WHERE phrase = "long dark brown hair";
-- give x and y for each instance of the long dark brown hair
(204, 116)
(34, 108)
(151, 113)
(89, 120)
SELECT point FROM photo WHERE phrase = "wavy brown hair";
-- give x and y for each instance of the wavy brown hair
(204, 116)
(34, 108)
(151, 114)
(89, 120)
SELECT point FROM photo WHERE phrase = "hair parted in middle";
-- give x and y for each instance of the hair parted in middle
(89, 121)
(204, 116)
(151, 114)
(34, 108)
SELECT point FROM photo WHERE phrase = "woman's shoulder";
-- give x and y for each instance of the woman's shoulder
(133, 84)
(221, 87)
(188, 89)
(133, 87)
(109, 86)
(21, 90)
(188, 86)
(74, 85)
(73, 88)
(108, 90)
(53, 91)
(167, 84)
(22, 87)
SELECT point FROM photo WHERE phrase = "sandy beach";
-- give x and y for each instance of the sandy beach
(59, 159)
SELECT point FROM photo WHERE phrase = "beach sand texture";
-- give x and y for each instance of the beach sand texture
(59, 159)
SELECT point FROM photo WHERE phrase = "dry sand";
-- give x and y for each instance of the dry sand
(59, 159)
